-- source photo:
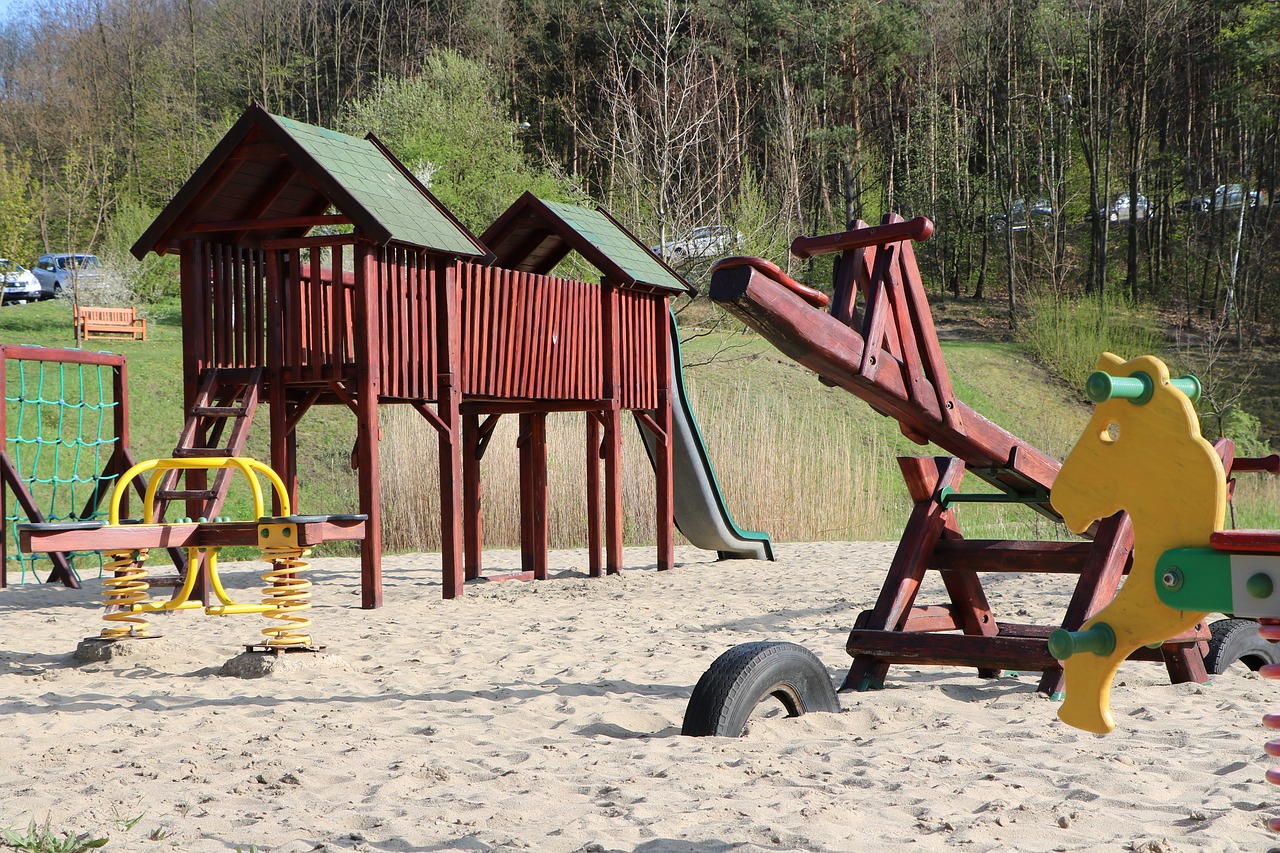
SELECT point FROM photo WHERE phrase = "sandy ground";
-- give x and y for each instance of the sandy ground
(546, 717)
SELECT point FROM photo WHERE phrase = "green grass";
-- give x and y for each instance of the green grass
(42, 839)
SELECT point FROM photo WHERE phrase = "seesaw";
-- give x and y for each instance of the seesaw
(284, 540)
(1142, 452)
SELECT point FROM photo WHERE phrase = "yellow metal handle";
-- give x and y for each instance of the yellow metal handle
(249, 467)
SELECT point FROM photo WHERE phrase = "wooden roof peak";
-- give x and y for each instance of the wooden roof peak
(277, 177)
(534, 235)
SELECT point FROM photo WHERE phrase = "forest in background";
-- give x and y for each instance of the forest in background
(776, 117)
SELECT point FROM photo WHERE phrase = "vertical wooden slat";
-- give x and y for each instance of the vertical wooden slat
(510, 343)
(466, 298)
(532, 351)
(574, 340)
(256, 313)
(341, 335)
(499, 308)
(405, 348)
(218, 304)
(438, 272)
(556, 365)
(316, 287)
(497, 291)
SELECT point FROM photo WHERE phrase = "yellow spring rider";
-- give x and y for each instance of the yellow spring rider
(286, 598)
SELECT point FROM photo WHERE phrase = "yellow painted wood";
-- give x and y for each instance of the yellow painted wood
(1151, 461)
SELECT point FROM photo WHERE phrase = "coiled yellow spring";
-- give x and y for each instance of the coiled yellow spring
(125, 588)
(288, 596)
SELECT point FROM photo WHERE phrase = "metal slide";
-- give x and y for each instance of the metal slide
(700, 511)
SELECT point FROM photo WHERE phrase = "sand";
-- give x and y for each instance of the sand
(546, 716)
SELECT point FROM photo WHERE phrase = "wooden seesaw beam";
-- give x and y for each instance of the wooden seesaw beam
(835, 351)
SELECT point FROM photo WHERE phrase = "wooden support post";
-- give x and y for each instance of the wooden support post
(277, 396)
(449, 338)
(609, 335)
(928, 521)
(368, 384)
(594, 565)
(525, 455)
(533, 494)
(662, 456)
(472, 524)
(1109, 558)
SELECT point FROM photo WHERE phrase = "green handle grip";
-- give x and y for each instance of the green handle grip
(1138, 388)
(1099, 639)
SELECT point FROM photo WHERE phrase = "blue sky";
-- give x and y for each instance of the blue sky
(5, 6)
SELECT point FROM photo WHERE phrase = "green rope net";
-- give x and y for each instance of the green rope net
(61, 435)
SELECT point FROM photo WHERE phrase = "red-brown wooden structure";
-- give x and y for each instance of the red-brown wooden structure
(403, 307)
(888, 355)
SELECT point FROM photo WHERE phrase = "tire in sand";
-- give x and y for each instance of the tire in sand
(743, 677)
(1237, 640)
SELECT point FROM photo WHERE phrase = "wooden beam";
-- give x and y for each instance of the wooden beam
(278, 222)
(320, 242)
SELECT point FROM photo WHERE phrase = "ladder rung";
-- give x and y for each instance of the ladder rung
(219, 411)
(185, 494)
(201, 452)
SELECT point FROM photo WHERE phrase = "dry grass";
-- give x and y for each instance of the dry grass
(766, 461)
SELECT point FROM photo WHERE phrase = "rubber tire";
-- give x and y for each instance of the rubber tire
(1237, 640)
(730, 690)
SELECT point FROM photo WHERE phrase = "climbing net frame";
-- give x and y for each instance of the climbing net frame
(65, 429)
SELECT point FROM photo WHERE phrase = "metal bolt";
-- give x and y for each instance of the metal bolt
(1172, 578)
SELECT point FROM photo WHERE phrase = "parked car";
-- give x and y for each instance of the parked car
(1225, 197)
(1122, 208)
(20, 286)
(57, 273)
(1024, 214)
(702, 242)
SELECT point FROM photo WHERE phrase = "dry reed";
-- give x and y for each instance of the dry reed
(782, 467)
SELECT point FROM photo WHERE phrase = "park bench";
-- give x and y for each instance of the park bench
(110, 323)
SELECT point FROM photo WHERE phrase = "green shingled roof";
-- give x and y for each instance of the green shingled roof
(621, 248)
(380, 187)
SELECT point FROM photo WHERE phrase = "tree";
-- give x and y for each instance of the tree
(449, 122)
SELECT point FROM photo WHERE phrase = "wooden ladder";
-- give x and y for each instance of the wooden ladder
(217, 425)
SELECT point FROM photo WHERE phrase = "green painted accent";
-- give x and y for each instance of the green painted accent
(1009, 673)
(1101, 387)
(1057, 696)
(381, 188)
(948, 496)
(1260, 585)
(603, 233)
(1189, 385)
(1138, 388)
(1099, 639)
(869, 683)
(1195, 579)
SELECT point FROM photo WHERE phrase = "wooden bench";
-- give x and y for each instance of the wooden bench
(120, 323)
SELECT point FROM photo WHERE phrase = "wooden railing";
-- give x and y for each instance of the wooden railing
(232, 325)
(522, 336)
(529, 336)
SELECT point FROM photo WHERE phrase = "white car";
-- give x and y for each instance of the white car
(20, 285)
(702, 242)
